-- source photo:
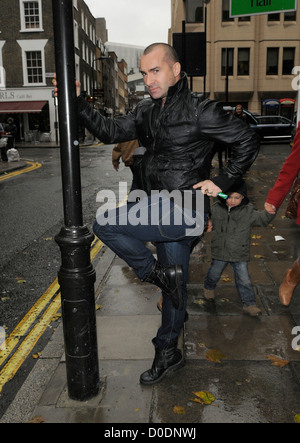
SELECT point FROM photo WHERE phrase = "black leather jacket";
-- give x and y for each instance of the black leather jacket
(179, 138)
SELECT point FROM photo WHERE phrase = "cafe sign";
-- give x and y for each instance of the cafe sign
(240, 8)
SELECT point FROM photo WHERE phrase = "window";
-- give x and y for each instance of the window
(34, 67)
(245, 18)
(194, 11)
(243, 61)
(288, 61)
(227, 55)
(31, 16)
(225, 11)
(33, 58)
(272, 61)
(83, 51)
(77, 66)
(76, 34)
(290, 16)
(274, 17)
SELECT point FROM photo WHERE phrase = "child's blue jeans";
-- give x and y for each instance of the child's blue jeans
(241, 275)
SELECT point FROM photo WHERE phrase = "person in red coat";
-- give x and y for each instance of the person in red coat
(276, 196)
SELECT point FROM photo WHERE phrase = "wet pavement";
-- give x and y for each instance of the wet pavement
(246, 386)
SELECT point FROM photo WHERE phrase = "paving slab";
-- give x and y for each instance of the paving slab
(245, 392)
(130, 300)
(127, 337)
(240, 338)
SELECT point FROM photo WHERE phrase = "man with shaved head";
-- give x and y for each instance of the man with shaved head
(178, 129)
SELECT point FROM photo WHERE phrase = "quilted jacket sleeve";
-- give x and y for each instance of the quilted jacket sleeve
(260, 218)
(225, 128)
(120, 129)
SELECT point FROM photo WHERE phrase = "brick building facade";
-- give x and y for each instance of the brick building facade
(27, 64)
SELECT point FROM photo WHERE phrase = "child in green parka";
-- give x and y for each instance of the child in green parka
(231, 223)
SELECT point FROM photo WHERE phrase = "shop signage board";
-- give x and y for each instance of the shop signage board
(240, 8)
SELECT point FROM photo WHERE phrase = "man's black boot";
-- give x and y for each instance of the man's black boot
(168, 360)
(170, 280)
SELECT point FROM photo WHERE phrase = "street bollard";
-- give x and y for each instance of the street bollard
(76, 275)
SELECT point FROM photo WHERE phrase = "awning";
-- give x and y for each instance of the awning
(287, 102)
(21, 107)
(273, 102)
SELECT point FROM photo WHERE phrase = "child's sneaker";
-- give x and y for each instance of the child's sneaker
(253, 311)
(209, 294)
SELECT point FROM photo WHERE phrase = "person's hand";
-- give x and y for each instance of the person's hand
(208, 188)
(271, 209)
(78, 87)
(77, 84)
(54, 82)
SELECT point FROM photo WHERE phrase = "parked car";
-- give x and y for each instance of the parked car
(273, 127)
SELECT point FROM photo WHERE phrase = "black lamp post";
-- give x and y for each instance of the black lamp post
(76, 275)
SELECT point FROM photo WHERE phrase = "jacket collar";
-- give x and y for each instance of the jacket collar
(180, 87)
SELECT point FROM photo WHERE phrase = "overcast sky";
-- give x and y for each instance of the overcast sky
(135, 22)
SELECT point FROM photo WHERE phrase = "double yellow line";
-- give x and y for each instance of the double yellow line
(50, 303)
(32, 166)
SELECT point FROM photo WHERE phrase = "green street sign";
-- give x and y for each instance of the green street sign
(238, 8)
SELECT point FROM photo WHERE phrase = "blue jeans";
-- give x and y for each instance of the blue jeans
(242, 279)
(173, 248)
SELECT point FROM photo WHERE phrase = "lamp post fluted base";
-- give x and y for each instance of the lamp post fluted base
(77, 278)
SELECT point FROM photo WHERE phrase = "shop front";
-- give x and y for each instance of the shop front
(287, 106)
(33, 111)
(271, 107)
(284, 107)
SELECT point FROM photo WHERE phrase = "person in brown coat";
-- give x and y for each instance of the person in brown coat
(125, 152)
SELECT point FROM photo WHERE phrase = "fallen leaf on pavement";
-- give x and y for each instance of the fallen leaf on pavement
(204, 398)
(179, 410)
(199, 302)
(214, 356)
(56, 317)
(225, 300)
(297, 418)
(37, 419)
(277, 361)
